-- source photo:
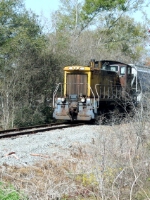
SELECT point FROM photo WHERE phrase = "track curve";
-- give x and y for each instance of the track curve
(35, 129)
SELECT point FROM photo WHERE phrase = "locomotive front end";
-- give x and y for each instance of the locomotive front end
(71, 100)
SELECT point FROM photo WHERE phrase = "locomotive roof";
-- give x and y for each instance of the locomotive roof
(112, 62)
(141, 68)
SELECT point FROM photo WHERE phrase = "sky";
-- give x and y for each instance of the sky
(45, 7)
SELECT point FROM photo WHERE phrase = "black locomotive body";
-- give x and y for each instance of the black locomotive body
(89, 91)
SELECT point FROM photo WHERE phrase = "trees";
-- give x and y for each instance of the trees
(21, 44)
(31, 61)
(100, 30)
(92, 9)
(29, 69)
(127, 38)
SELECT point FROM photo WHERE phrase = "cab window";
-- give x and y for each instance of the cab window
(129, 70)
(123, 70)
(113, 68)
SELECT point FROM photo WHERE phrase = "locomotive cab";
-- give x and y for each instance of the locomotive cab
(88, 90)
(129, 82)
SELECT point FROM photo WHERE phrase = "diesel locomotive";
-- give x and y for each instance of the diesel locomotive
(89, 91)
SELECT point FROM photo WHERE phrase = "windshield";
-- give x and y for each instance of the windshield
(113, 68)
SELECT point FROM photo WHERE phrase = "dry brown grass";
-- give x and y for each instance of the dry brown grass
(114, 166)
(51, 179)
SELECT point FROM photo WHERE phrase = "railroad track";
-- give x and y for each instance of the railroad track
(35, 129)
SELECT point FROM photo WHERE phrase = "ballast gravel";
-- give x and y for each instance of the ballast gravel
(29, 149)
(64, 144)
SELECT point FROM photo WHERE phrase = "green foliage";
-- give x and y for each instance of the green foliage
(31, 62)
(9, 193)
(48, 114)
(18, 30)
(21, 62)
(126, 35)
(67, 22)
(112, 31)
(28, 117)
(68, 16)
(92, 8)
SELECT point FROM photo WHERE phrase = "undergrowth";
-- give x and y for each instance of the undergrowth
(8, 192)
(114, 166)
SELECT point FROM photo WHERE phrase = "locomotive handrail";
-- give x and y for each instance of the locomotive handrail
(93, 96)
(97, 93)
(135, 77)
(55, 91)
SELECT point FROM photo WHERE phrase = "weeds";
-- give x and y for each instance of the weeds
(116, 166)
(8, 192)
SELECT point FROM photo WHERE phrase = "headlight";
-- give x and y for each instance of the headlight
(63, 100)
(82, 99)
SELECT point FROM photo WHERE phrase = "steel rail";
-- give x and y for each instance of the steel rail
(35, 129)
